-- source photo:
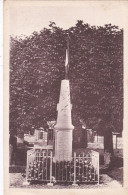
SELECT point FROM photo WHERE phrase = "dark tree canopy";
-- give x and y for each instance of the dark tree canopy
(95, 73)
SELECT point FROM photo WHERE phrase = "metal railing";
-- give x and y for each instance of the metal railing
(41, 166)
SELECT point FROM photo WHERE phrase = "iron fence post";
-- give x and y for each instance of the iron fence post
(98, 169)
(74, 182)
(26, 183)
(50, 184)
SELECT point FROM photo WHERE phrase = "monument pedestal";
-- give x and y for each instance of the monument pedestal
(63, 145)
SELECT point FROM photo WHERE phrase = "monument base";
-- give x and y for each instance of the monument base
(63, 145)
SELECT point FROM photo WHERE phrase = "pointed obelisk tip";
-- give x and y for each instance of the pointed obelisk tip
(66, 65)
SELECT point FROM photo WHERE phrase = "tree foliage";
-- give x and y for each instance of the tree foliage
(95, 73)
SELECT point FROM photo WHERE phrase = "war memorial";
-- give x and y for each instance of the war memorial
(59, 152)
(59, 164)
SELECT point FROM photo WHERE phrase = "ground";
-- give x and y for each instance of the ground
(17, 179)
(117, 174)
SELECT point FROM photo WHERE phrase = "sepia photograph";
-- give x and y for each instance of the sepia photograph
(66, 95)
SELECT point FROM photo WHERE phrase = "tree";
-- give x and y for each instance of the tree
(95, 73)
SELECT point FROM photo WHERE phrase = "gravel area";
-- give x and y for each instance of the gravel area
(17, 179)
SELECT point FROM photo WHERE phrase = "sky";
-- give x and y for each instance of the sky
(27, 19)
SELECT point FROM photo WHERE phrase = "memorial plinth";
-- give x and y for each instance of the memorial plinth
(64, 127)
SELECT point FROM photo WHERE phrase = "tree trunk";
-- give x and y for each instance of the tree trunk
(108, 141)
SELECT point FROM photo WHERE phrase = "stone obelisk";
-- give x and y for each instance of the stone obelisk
(64, 127)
